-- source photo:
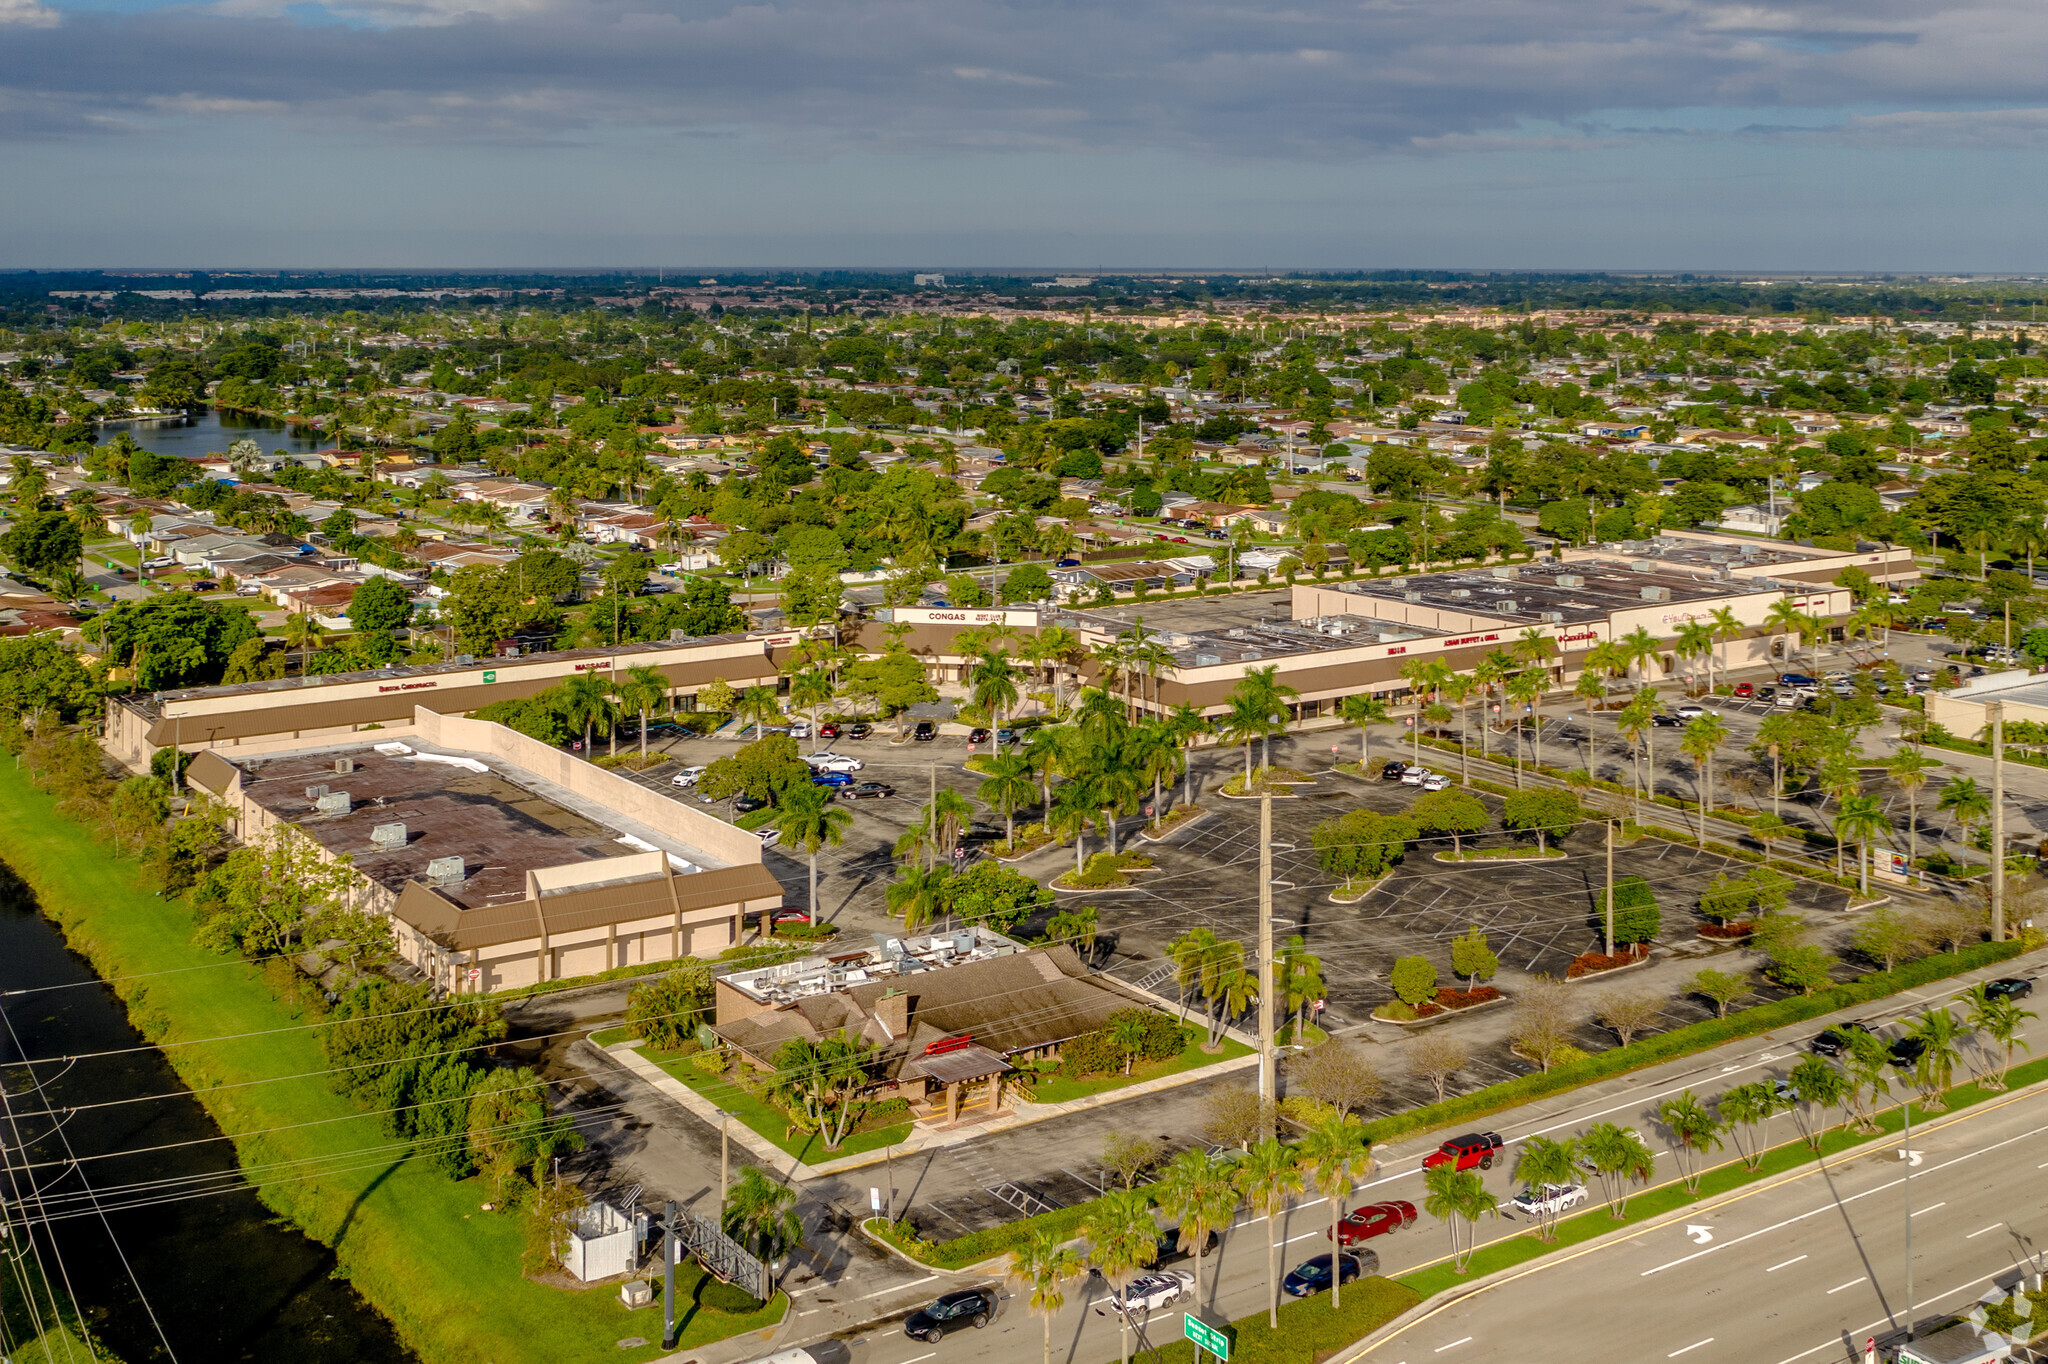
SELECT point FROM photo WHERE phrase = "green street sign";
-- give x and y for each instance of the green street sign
(1212, 1338)
(491, 676)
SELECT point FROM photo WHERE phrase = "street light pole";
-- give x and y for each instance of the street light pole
(724, 1159)
(1995, 713)
(1267, 1090)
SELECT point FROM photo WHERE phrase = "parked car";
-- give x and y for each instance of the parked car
(2012, 987)
(1169, 1244)
(1834, 1041)
(1393, 770)
(868, 790)
(206, 585)
(969, 1307)
(770, 836)
(1551, 1198)
(1415, 776)
(744, 804)
(1785, 700)
(1796, 680)
(800, 729)
(687, 777)
(1006, 735)
(1666, 721)
(1435, 781)
(859, 731)
(1147, 1293)
(831, 779)
(834, 762)
(1835, 675)
(1744, 690)
(675, 566)
(791, 916)
(1692, 711)
(1374, 1219)
(977, 735)
(1466, 1151)
(1313, 1274)
(828, 730)
(925, 732)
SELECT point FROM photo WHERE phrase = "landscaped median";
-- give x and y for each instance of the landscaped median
(414, 1242)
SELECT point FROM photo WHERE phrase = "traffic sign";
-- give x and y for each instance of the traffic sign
(1213, 1336)
(475, 974)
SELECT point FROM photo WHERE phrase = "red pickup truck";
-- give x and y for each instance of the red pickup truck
(1473, 1148)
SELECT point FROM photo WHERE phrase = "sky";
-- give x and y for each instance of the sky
(1822, 135)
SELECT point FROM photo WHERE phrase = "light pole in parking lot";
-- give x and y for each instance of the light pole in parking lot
(1994, 712)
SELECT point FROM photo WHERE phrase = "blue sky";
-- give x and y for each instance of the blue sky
(1621, 134)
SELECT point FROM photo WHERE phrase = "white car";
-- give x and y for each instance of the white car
(1787, 699)
(800, 729)
(687, 777)
(770, 837)
(833, 762)
(1147, 1293)
(1691, 711)
(1435, 781)
(676, 567)
(1551, 1198)
(1415, 776)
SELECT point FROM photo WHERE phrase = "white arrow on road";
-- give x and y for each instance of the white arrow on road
(1911, 1158)
(1700, 1235)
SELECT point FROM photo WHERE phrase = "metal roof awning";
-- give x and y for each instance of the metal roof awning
(954, 1067)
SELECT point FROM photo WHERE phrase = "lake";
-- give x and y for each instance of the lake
(212, 432)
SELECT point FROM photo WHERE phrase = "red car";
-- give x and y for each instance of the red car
(828, 730)
(1374, 1219)
(1745, 690)
(1466, 1151)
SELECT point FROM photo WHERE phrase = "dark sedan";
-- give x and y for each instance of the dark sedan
(859, 731)
(1313, 1275)
(1393, 770)
(977, 735)
(1905, 1051)
(869, 790)
(2012, 987)
(1835, 1040)
(970, 1307)
(746, 805)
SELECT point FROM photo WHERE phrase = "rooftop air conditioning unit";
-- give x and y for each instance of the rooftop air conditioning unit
(1411, 596)
(1554, 617)
(1509, 607)
(1397, 582)
(1644, 566)
(315, 792)
(465, 659)
(1570, 580)
(1506, 571)
(344, 766)
(1251, 654)
(388, 836)
(1207, 660)
(1656, 594)
(336, 803)
(1461, 591)
(679, 636)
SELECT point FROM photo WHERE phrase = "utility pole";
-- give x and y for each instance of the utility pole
(1995, 712)
(1268, 1091)
(1610, 887)
(668, 1276)
(724, 1159)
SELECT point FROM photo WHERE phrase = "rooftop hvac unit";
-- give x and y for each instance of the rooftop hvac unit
(1397, 582)
(315, 792)
(465, 659)
(1644, 565)
(344, 766)
(679, 636)
(1207, 660)
(1506, 571)
(388, 836)
(963, 941)
(336, 803)
(1554, 617)
(1461, 591)
(1411, 596)
(1252, 654)
(1570, 580)
(445, 871)
(1510, 606)
(1656, 594)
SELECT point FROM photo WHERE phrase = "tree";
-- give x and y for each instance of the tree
(1007, 786)
(42, 542)
(1361, 845)
(1473, 958)
(808, 820)
(1941, 1038)
(1886, 936)
(1122, 1238)
(645, 688)
(1436, 1056)
(550, 1209)
(511, 1128)
(823, 1081)
(379, 606)
(890, 684)
(1702, 736)
(1696, 1131)
(1866, 1063)
(765, 770)
(1627, 1012)
(918, 894)
(1267, 1177)
(1364, 712)
(1802, 967)
(1966, 801)
(1336, 1073)
(1413, 979)
(1861, 819)
(668, 1009)
(1127, 1156)
(1027, 582)
(761, 1214)
(1544, 811)
(1336, 1156)
(1820, 1086)
(1721, 987)
(1234, 1115)
(1542, 1020)
(1751, 1106)
(587, 705)
(1998, 1020)
(1452, 812)
(1454, 1196)
(1909, 769)
(1195, 1189)
(1636, 916)
(1043, 1265)
(1620, 1158)
(1545, 1160)
(992, 683)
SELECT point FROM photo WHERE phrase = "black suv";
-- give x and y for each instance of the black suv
(1835, 1040)
(2012, 987)
(970, 1307)
(1905, 1051)
(1393, 770)
(926, 731)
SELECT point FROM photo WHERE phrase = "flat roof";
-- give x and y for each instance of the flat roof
(1238, 628)
(1573, 592)
(500, 820)
(1708, 556)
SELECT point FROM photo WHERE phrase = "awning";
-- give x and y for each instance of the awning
(955, 1067)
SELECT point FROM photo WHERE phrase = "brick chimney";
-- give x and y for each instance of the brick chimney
(893, 1009)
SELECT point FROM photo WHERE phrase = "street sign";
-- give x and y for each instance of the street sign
(1211, 1336)
(475, 974)
(491, 676)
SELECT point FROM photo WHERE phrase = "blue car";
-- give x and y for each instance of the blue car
(1313, 1275)
(831, 779)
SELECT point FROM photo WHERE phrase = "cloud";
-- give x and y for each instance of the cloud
(1309, 80)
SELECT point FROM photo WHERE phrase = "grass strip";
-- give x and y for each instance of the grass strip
(1057, 1089)
(412, 1241)
(765, 1118)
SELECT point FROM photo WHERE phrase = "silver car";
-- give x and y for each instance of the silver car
(1147, 1293)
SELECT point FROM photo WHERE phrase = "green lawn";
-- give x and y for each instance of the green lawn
(1057, 1089)
(770, 1121)
(412, 1241)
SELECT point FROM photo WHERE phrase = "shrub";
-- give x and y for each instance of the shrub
(1636, 916)
(1413, 979)
(666, 1011)
(1098, 1053)
(728, 1298)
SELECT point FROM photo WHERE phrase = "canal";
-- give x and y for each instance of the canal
(141, 1201)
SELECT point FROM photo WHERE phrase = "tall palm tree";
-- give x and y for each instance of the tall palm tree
(645, 687)
(809, 690)
(1860, 820)
(1457, 689)
(1272, 696)
(1493, 669)
(1455, 1196)
(1908, 769)
(809, 820)
(761, 1215)
(1336, 1155)
(1635, 724)
(759, 705)
(1607, 659)
(1046, 751)
(1941, 1039)
(1187, 724)
(946, 814)
(1696, 1130)
(1999, 1021)
(992, 684)
(1268, 1176)
(1123, 1237)
(919, 895)
(1642, 649)
(1007, 786)
(1725, 627)
(587, 704)
(1073, 809)
(1696, 640)
(1364, 712)
(303, 631)
(1966, 802)
(1783, 620)
(1043, 1265)
(1524, 689)
(1702, 736)
(1195, 1190)
(1540, 1161)
(1245, 721)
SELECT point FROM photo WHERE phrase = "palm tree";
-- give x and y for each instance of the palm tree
(1620, 1158)
(759, 705)
(644, 689)
(1043, 1265)
(1751, 1105)
(1245, 721)
(945, 815)
(1784, 620)
(1721, 621)
(1457, 689)
(1607, 659)
(1187, 724)
(809, 690)
(1642, 649)
(1073, 809)
(1908, 769)
(1123, 1237)
(1702, 736)
(1336, 1156)
(919, 895)
(809, 820)
(1272, 697)
(1861, 819)
(1999, 1020)
(1965, 801)
(303, 631)
(1456, 1196)
(1007, 786)
(1635, 724)
(1524, 689)
(761, 1215)
(1195, 1190)
(1820, 1086)
(1935, 1070)
(585, 703)
(1061, 649)
(1046, 751)
(1695, 1130)
(1364, 712)
(992, 684)
(1153, 751)
(1267, 1177)
(1493, 669)
(1696, 640)
(1541, 1161)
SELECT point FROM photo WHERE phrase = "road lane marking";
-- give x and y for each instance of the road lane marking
(1929, 1208)
(1694, 1346)
(916, 1359)
(1784, 1264)
(1851, 1284)
(912, 1284)
(1453, 1345)
(1975, 1234)
(1836, 1344)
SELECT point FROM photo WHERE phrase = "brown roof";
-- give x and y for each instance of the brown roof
(491, 925)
